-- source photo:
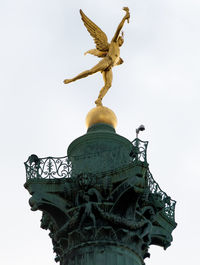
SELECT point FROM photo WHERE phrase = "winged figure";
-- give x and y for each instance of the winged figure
(110, 52)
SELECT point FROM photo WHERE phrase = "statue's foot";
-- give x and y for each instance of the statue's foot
(98, 102)
(67, 81)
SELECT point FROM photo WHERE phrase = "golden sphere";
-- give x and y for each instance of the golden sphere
(101, 114)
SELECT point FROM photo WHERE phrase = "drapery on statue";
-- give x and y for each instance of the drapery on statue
(110, 53)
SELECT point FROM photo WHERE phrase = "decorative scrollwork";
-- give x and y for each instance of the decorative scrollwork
(159, 195)
(48, 168)
(139, 151)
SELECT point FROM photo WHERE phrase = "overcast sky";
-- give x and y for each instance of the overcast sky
(42, 43)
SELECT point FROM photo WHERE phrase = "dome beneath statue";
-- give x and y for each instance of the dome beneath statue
(101, 114)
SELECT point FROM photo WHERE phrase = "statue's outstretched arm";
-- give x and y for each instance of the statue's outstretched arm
(126, 17)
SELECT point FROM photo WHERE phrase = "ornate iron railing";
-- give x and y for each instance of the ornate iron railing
(139, 150)
(159, 195)
(61, 167)
(48, 167)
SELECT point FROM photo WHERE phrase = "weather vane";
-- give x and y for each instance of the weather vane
(110, 52)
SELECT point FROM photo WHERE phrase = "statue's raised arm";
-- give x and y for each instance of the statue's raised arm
(121, 24)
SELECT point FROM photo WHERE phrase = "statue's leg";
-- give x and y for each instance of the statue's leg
(93, 219)
(102, 65)
(107, 76)
(82, 219)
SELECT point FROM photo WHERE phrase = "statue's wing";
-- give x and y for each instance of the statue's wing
(99, 36)
(97, 53)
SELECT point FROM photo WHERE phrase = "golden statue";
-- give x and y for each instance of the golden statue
(110, 53)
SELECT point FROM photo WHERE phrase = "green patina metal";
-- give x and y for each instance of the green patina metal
(100, 202)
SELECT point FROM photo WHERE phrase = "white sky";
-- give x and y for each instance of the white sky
(42, 43)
